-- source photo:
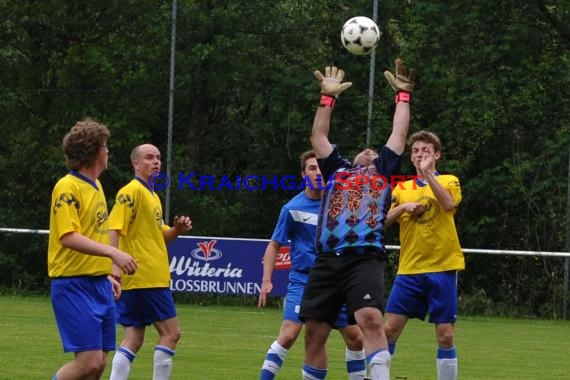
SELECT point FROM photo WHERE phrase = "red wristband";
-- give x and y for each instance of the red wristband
(402, 96)
(327, 101)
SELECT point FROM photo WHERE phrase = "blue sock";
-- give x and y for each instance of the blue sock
(446, 363)
(392, 348)
(355, 363)
(317, 373)
(446, 353)
(369, 357)
(273, 361)
(128, 353)
(164, 349)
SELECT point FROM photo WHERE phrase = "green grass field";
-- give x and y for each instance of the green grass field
(227, 342)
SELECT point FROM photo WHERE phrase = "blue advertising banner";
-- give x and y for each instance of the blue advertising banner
(224, 266)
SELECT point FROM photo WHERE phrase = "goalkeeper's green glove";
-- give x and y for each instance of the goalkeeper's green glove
(403, 80)
(331, 82)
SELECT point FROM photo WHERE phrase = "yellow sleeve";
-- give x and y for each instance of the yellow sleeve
(66, 203)
(124, 210)
(454, 188)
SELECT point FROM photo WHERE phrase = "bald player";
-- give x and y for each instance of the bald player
(136, 225)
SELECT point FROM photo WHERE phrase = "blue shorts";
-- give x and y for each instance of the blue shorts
(414, 295)
(292, 306)
(142, 307)
(84, 312)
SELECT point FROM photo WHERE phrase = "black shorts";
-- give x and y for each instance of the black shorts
(356, 280)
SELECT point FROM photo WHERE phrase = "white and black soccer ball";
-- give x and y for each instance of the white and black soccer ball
(360, 35)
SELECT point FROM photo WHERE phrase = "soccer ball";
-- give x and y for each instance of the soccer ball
(360, 35)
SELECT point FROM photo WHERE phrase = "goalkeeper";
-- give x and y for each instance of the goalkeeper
(349, 267)
(298, 223)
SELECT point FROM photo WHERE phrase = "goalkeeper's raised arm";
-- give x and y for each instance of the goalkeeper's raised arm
(331, 87)
(403, 83)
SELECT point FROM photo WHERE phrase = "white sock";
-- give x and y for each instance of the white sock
(122, 362)
(379, 365)
(162, 362)
(355, 364)
(273, 361)
(446, 364)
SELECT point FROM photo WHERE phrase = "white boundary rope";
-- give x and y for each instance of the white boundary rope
(390, 247)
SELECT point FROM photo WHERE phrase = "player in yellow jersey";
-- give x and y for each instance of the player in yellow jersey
(79, 256)
(430, 254)
(136, 226)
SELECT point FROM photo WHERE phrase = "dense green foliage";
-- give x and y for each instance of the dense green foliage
(492, 82)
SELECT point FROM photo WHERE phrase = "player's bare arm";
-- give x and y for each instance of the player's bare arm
(181, 225)
(269, 258)
(442, 195)
(114, 242)
(319, 136)
(427, 168)
(414, 208)
(83, 244)
(402, 81)
(115, 286)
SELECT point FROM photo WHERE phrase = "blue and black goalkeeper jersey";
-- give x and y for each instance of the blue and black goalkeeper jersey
(355, 203)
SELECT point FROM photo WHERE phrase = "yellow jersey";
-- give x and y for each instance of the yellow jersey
(78, 204)
(430, 242)
(137, 217)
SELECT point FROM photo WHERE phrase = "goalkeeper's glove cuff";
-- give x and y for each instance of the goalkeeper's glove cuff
(402, 96)
(327, 101)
